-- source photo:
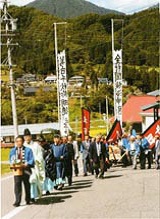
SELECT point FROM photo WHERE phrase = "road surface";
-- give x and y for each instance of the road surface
(123, 193)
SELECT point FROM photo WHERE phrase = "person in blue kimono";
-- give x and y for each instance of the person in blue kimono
(25, 156)
(60, 154)
(124, 145)
(144, 151)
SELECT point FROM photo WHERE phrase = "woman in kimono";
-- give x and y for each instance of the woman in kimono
(60, 154)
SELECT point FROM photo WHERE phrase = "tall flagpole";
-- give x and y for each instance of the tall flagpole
(56, 55)
(112, 23)
(107, 119)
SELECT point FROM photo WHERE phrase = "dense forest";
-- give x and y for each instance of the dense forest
(87, 40)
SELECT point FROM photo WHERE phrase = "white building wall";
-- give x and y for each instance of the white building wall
(147, 120)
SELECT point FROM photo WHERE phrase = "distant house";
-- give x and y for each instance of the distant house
(26, 78)
(7, 131)
(31, 90)
(51, 79)
(76, 81)
(133, 113)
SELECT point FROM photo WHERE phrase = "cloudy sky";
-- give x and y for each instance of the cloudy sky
(126, 6)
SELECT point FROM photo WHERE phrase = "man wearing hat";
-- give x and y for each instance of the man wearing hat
(38, 172)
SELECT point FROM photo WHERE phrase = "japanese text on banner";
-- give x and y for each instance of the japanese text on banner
(63, 95)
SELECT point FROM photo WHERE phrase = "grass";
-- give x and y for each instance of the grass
(5, 154)
(5, 168)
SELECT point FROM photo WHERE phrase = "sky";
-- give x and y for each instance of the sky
(126, 6)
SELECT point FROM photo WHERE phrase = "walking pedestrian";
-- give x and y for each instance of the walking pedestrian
(24, 156)
(124, 145)
(69, 160)
(60, 154)
(144, 146)
(98, 156)
(133, 149)
(38, 172)
(85, 155)
(76, 154)
(50, 166)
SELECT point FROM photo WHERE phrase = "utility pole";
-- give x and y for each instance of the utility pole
(56, 54)
(9, 25)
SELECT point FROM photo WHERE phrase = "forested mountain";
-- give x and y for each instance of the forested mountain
(87, 40)
(69, 8)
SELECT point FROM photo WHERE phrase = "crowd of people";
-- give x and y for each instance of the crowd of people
(48, 166)
(136, 147)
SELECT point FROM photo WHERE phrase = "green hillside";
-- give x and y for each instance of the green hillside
(88, 47)
(69, 8)
(88, 39)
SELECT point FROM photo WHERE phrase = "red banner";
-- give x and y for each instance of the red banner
(151, 131)
(115, 132)
(85, 122)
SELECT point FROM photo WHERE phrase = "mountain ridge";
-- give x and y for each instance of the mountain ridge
(69, 8)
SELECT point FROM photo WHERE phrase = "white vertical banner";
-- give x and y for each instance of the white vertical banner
(117, 83)
(63, 94)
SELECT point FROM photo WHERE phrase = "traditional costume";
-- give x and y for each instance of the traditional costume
(38, 172)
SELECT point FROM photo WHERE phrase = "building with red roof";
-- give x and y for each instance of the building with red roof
(132, 111)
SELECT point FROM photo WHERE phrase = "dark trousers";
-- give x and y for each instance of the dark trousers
(69, 171)
(96, 168)
(142, 158)
(124, 159)
(18, 187)
(150, 159)
(99, 165)
(76, 170)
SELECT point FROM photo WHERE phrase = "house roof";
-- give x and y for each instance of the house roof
(8, 130)
(152, 106)
(154, 93)
(133, 108)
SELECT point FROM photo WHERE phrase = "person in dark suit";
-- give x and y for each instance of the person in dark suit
(69, 159)
(98, 156)
(24, 156)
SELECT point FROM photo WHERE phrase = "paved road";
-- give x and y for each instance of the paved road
(124, 193)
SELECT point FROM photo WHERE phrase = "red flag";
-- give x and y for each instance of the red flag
(151, 131)
(85, 122)
(115, 132)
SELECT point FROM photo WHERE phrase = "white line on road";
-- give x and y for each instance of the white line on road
(14, 212)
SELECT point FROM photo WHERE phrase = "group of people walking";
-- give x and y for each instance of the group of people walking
(137, 146)
(47, 166)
